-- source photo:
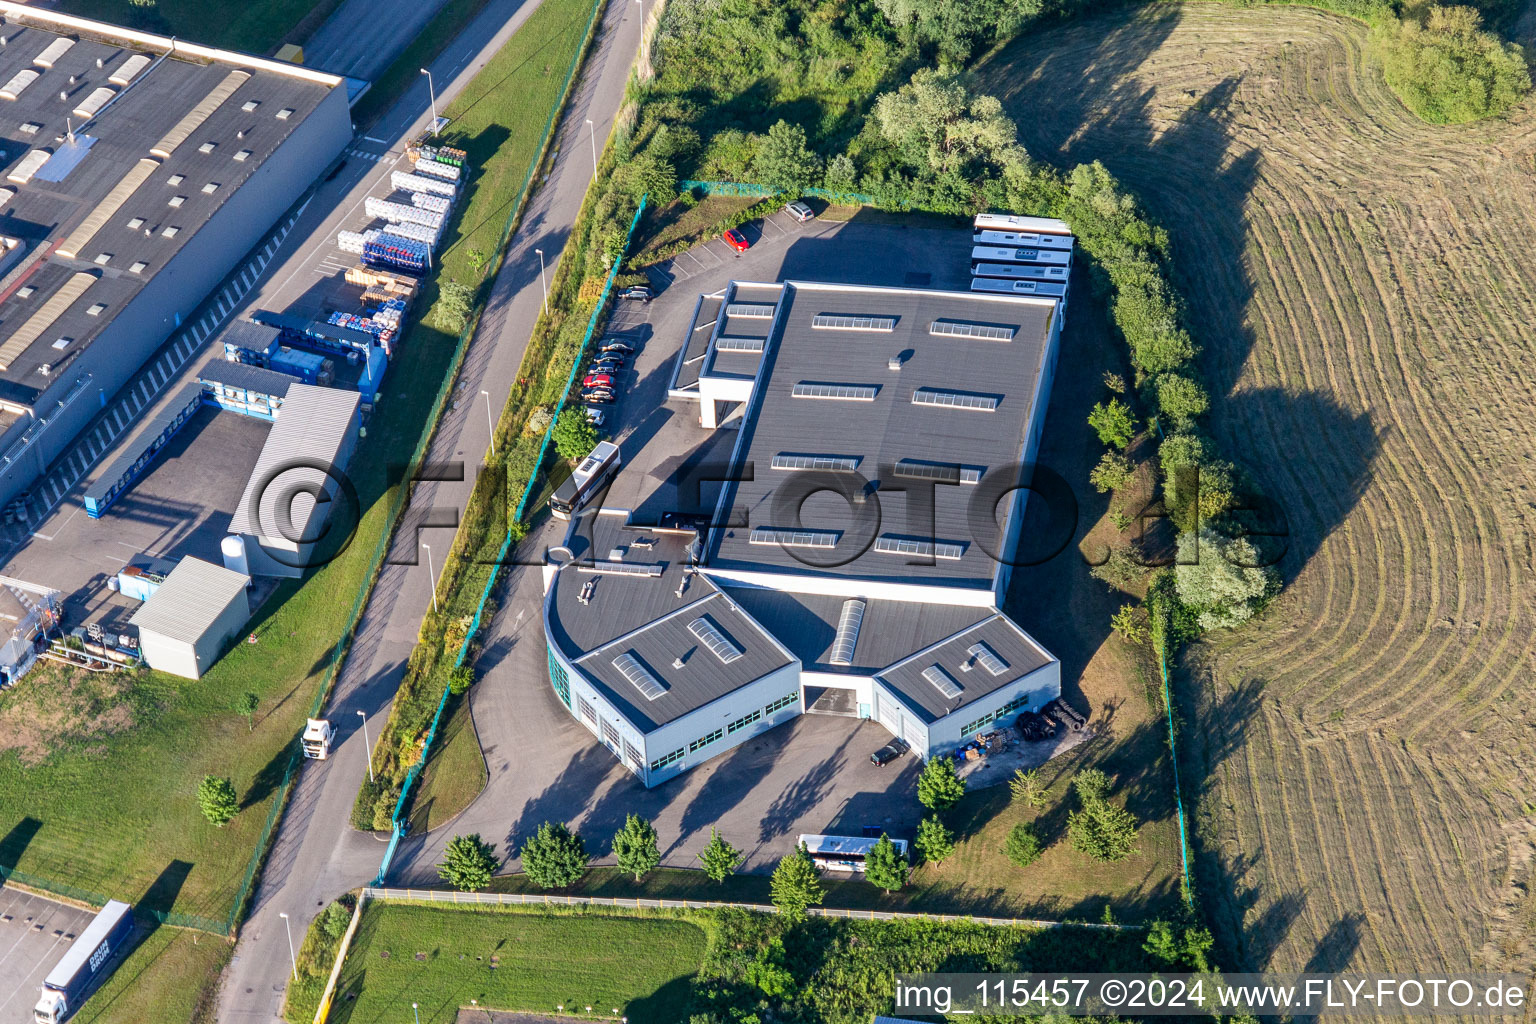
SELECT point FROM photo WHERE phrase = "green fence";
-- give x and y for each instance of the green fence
(744, 188)
(398, 817)
(96, 899)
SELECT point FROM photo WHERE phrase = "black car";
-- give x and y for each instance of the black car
(598, 395)
(612, 359)
(639, 291)
(888, 753)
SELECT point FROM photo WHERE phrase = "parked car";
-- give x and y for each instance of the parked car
(888, 753)
(617, 346)
(598, 380)
(736, 240)
(639, 292)
(596, 417)
(800, 211)
(609, 359)
(600, 396)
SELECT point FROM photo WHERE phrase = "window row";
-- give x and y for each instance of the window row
(705, 740)
(781, 703)
(744, 721)
(672, 758)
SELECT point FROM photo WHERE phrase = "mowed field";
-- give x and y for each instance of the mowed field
(1362, 285)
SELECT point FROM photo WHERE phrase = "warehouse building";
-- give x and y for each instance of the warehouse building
(138, 171)
(860, 549)
(285, 513)
(189, 619)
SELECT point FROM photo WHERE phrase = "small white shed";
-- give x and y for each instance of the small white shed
(185, 624)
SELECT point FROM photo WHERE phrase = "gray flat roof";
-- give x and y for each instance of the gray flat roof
(120, 137)
(645, 616)
(1019, 656)
(244, 375)
(690, 358)
(882, 426)
(309, 433)
(889, 632)
(190, 600)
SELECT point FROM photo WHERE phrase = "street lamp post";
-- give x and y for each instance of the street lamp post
(541, 280)
(592, 132)
(416, 1012)
(432, 92)
(367, 748)
(431, 576)
(489, 422)
(292, 956)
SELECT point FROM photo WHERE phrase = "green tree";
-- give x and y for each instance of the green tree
(574, 435)
(1113, 422)
(1028, 788)
(1444, 67)
(555, 857)
(216, 797)
(1112, 473)
(1022, 845)
(938, 787)
(768, 973)
(455, 303)
(885, 867)
(1097, 827)
(934, 840)
(784, 162)
(720, 858)
(796, 885)
(468, 863)
(635, 848)
(1181, 399)
(1128, 624)
(1187, 950)
(940, 129)
(460, 680)
(1220, 579)
(841, 174)
(246, 705)
(956, 27)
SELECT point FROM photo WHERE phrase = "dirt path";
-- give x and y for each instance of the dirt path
(1362, 285)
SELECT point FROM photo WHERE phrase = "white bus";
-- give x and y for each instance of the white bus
(1018, 272)
(1028, 239)
(590, 477)
(1007, 254)
(1045, 289)
(1014, 222)
(844, 853)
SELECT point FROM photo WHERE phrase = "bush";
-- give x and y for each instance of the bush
(217, 800)
(1112, 473)
(1181, 400)
(1113, 422)
(460, 680)
(334, 920)
(574, 435)
(1220, 579)
(1022, 845)
(455, 304)
(467, 863)
(1445, 68)
(555, 857)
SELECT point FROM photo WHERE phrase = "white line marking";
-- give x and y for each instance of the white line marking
(370, 138)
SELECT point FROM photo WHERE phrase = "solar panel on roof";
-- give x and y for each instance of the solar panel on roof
(794, 538)
(733, 344)
(848, 622)
(955, 399)
(639, 676)
(751, 310)
(836, 392)
(838, 322)
(830, 463)
(718, 643)
(987, 658)
(943, 681)
(963, 329)
(890, 544)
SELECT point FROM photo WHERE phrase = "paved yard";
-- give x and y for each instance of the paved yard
(34, 933)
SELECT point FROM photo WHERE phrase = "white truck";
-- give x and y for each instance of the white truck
(93, 956)
(317, 738)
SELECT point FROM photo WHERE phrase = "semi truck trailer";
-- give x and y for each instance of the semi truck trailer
(94, 956)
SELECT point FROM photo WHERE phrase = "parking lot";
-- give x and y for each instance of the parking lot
(34, 934)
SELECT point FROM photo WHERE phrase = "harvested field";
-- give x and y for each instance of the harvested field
(1361, 285)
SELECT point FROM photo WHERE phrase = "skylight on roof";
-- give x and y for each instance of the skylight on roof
(208, 147)
(891, 544)
(176, 200)
(848, 622)
(836, 392)
(250, 105)
(943, 682)
(210, 188)
(639, 676)
(25, 291)
(840, 322)
(171, 232)
(751, 310)
(943, 472)
(955, 399)
(987, 658)
(103, 258)
(720, 645)
(96, 309)
(242, 156)
(732, 344)
(138, 266)
(285, 113)
(829, 463)
(136, 223)
(63, 343)
(962, 329)
(794, 538)
(176, 179)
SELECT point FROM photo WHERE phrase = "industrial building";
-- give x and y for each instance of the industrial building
(190, 617)
(860, 545)
(138, 171)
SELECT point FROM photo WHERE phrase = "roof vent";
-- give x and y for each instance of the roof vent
(616, 555)
(677, 662)
(894, 362)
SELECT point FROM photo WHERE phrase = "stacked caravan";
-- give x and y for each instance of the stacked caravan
(1021, 256)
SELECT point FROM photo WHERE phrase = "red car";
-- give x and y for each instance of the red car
(597, 380)
(736, 240)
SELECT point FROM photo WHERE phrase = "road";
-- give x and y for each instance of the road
(316, 856)
(363, 37)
